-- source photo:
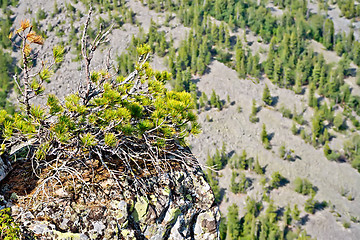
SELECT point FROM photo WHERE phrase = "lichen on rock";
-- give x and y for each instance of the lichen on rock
(186, 210)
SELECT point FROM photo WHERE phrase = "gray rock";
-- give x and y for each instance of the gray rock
(177, 231)
(64, 224)
(5, 168)
(180, 206)
(40, 228)
(206, 226)
(98, 227)
(27, 216)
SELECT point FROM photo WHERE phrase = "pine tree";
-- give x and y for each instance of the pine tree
(358, 77)
(194, 59)
(219, 103)
(277, 72)
(310, 205)
(356, 50)
(255, 71)
(218, 160)
(269, 65)
(223, 228)
(233, 226)
(287, 215)
(214, 33)
(316, 74)
(328, 34)
(210, 161)
(203, 99)
(227, 39)
(200, 66)
(288, 78)
(213, 98)
(243, 183)
(257, 168)
(201, 102)
(317, 125)
(254, 110)
(282, 150)
(312, 99)
(243, 160)
(221, 33)
(249, 63)
(294, 129)
(322, 82)
(339, 48)
(265, 137)
(234, 186)
(276, 180)
(179, 85)
(338, 122)
(345, 93)
(296, 213)
(171, 60)
(266, 97)
(325, 136)
(293, 42)
(240, 59)
(298, 83)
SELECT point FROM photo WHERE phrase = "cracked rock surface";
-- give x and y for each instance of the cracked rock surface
(181, 206)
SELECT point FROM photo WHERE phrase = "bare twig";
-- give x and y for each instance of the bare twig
(84, 49)
(89, 54)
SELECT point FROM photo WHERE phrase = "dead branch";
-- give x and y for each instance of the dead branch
(88, 54)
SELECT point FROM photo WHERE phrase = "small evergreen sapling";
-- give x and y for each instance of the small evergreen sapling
(253, 118)
(277, 180)
(257, 168)
(266, 97)
(265, 137)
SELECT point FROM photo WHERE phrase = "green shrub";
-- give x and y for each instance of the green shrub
(266, 97)
(310, 205)
(277, 180)
(282, 150)
(286, 112)
(299, 119)
(339, 122)
(333, 156)
(40, 14)
(265, 138)
(294, 129)
(356, 163)
(239, 109)
(254, 110)
(253, 119)
(303, 186)
(242, 185)
(257, 168)
(8, 228)
(346, 224)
